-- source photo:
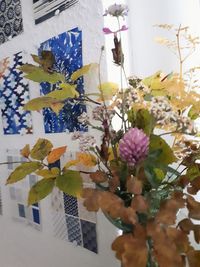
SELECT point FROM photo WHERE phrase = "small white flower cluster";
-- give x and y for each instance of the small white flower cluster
(86, 141)
(99, 113)
(185, 124)
(117, 10)
(83, 118)
(161, 110)
(164, 115)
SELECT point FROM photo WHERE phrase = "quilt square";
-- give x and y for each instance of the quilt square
(45, 9)
(89, 235)
(74, 230)
(10, 19)
(67, 49)
(14, 94)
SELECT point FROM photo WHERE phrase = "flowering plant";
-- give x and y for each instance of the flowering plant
(142, 182)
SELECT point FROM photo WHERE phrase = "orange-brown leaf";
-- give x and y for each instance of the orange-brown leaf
(140, 204)
(128, 215)
(118, 244)
(114, 183)
(194, 258)
(55, 154)
(194, 208)
(91, 199)
(194, 186)
(134, 185)
(98, 177)
(186, 225)
(25, 152)
(169, 208)
(111, 204)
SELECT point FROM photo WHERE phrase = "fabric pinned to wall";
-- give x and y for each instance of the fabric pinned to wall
(45, 9)
(10, 19)
(14, 93)
(67, 50)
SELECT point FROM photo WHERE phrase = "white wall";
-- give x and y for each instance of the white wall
(22, 246)
(147, 56)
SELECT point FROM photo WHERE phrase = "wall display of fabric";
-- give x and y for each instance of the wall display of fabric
(71, 221)
(10, 19)
(45, 9)
(21, 212)
(67, 50)
(14, 93)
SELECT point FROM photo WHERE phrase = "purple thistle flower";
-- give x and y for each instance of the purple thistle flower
(134, 146)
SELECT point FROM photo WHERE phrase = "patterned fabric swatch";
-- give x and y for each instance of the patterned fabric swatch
(14, 93)
(67, 49)
(10, 19)
(45, 9)
(72, 222)
(30, 215)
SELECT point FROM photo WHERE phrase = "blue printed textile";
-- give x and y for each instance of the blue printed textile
(14, 94)
(67, 49)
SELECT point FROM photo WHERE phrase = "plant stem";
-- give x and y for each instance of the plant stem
(179, 53)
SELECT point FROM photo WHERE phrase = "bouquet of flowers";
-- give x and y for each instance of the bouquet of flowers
(143, 182)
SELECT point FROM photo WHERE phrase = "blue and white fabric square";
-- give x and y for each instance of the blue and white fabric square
(10, 19)
(14, 94)
(67, 49)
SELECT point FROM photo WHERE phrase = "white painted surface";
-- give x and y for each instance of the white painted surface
(22, 246)
(147, 56)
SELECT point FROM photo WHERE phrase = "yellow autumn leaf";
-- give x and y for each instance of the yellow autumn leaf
(48, 174)
(55, 154)
(86, 159)
(82, 71)
(66, 91)
(70, 164)
(108, 90)
(154, 81)
(56, 107)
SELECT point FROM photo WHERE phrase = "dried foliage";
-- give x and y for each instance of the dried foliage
(137, 187)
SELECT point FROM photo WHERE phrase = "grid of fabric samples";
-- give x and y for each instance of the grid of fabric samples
(44, 10)
(67, 50)
(29, 215)
(14, 93)
(10, 19)
(72, 222)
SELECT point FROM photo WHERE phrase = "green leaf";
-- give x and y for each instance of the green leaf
(142, 119)
(22, 171)
(166, 156)
(27, 68)
(193, 171)
(40, 190)
(37, 74)
(82, 71)
(194, 111)
(39, 103)
(154, 175)
(41, 149)
(66, 91)
(70, 182)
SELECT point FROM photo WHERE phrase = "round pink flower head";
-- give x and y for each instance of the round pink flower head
(134, 146)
